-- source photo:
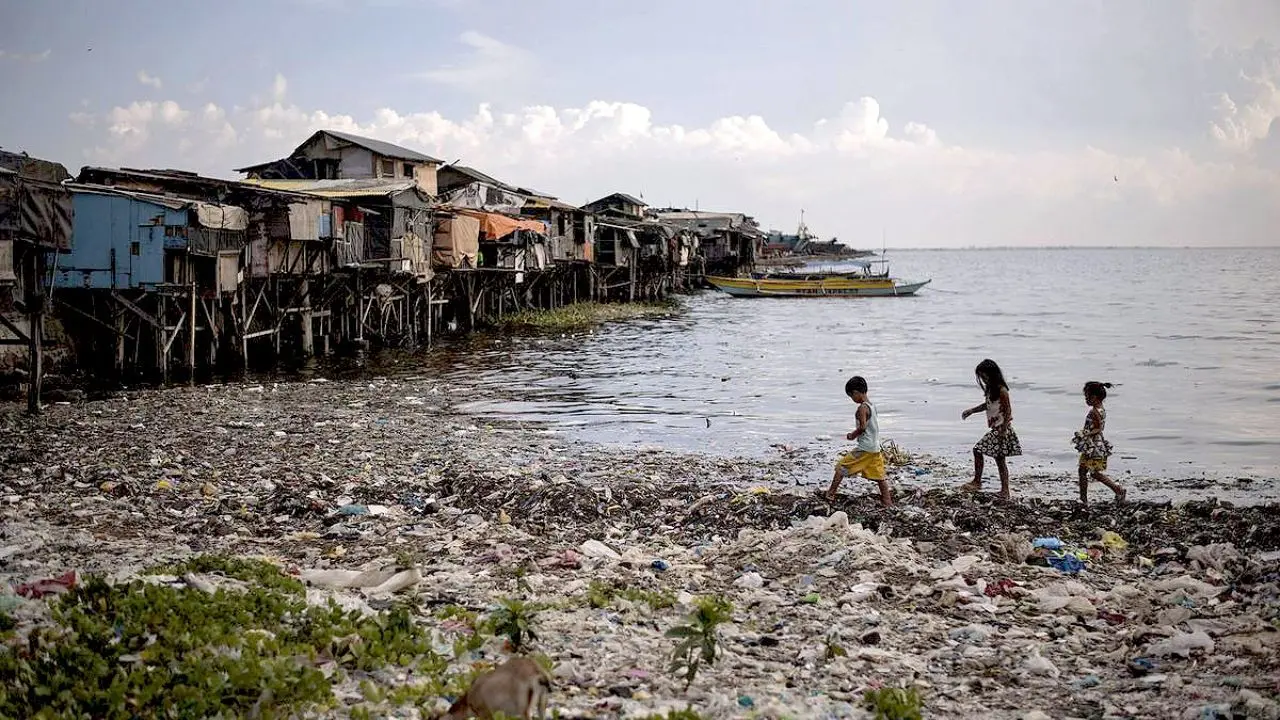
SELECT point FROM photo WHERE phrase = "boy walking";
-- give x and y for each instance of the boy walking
(866, 459)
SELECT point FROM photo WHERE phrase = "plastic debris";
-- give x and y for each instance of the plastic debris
(51, 586)
(1182, 645)
(935, 591)
(1112, 541)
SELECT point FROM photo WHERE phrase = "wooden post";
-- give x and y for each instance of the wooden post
(191, 345)
(308, 337)
(162, 347)
(121, 327)
(244, 324)
(35, 329)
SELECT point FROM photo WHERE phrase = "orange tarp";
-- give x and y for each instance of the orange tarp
(496, 227)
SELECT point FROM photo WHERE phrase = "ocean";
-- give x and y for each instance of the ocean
(1189, 337)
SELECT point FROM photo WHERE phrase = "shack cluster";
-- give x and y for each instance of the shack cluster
(346, 240)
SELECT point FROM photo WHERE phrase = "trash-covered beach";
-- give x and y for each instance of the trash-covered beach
(446, 539)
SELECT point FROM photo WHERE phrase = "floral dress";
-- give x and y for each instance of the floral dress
(1092, 446)
(998, 443)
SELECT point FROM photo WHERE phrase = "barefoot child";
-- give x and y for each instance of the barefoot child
(866, 459)
(1001, 441)
(1093, 447)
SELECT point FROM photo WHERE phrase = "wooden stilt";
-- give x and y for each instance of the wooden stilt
(35, 330)
(191, 337)
(308, 339)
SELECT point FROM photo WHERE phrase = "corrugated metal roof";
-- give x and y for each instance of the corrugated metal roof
(621, 196)
(381, 147)
(351, 187)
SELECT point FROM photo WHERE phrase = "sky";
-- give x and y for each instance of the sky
(931, 123)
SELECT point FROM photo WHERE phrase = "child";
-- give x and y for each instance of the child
(866, 459)
(1001, 441)
(1092, 446)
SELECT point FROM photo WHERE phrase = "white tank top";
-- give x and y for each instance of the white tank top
(994, 415)
(869, 440)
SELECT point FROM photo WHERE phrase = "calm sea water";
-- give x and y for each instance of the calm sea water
(1191, 339)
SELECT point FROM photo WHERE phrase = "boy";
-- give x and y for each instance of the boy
(866, 459)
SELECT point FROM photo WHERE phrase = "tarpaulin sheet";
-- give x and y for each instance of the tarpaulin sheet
(457, 241)
(35, 211)
(496, 227)
(222, 217)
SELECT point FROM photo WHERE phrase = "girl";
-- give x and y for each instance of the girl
(1001, 441)
(1092, 446)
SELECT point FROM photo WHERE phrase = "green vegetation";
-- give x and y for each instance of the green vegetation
(600, 594)
(514, 619)
(151, 650)
(832, 649)
(894, 704)
(585, 315)
(256, 572)
(699, 637)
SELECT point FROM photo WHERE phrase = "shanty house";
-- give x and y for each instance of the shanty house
(618, 205)
(35, 224)
(382, 222)
(728, 241)
(620, 227)
(124, 239)
(571, 231)
(510, 243)
(35, 211)
(464, 187)
(287, 232)
(334, 155)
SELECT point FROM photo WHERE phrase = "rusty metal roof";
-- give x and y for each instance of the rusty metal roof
(346, 188)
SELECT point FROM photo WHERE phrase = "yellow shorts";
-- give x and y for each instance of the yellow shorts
(1093, 464)
(869, 465)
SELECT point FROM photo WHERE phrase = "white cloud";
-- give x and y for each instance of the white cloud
(23, 57)
(279, 88)
(1240, 127)
(852, 172)
(489, 65)
(149, 80)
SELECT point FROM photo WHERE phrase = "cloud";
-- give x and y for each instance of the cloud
(279, 88)
(854, 171)
(24, 58)
(489, 65)
(149, 80)
(1246, 116)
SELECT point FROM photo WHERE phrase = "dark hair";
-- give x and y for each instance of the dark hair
(990, 379)
(1095, 389)
(856, 384)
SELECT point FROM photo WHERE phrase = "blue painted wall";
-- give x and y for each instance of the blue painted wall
(133, 228)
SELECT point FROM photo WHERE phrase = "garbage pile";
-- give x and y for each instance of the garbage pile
(379, 496)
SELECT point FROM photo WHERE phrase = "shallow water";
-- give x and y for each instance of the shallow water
(1189, 337)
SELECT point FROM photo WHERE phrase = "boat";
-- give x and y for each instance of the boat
(862, 282)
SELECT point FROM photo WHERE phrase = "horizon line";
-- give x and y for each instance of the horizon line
(1079, 247)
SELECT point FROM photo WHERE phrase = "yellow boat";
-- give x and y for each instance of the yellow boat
(820, 284)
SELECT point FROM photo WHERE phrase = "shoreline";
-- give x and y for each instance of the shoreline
(477, 508)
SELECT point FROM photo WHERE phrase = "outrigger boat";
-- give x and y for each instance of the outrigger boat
(863, 282)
